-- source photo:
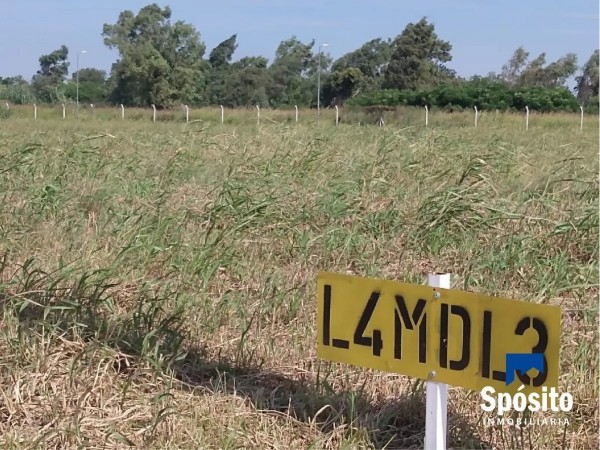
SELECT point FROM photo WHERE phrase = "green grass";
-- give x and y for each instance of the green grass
(158, 280)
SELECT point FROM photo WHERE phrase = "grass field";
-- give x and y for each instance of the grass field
(157, 281)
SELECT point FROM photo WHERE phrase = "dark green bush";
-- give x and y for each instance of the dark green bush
(480, 93)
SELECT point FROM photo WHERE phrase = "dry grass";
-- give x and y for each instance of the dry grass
(158, 281)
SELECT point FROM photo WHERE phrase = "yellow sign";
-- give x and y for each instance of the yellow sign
(444, 335)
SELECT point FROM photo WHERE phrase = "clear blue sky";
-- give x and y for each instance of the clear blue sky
(483, 33)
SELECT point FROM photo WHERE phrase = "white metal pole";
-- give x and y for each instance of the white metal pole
(319, 82)
(257, 114)
(426, 115)
(319, 87)
(436, 412)
(475, 116)
(581, 121)
(187, 113)
(296, 107)
(34, 111)
(63, 107)
(77, 88)
(222, 114)
(337, 115)
(153, 113)
(122, 111)
(527, 118)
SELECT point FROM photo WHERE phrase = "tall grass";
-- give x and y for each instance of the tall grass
(157, 280)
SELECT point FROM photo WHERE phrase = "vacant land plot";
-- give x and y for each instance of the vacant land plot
(157, 281)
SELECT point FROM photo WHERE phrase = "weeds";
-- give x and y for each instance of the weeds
(157, 280)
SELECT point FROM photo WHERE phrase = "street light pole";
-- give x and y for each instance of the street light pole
(319, 83)
(77, 83)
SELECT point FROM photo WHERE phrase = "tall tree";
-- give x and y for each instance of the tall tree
(519, 72)
(47, 83)
(159, 62)
(220, 65)
(371, 59)
(92, 86)
(344, 83)
(558, 72)
(587, 81)
(293, 72)
(534, 73)
(512, 70)
(246, 84)
(417, 58)
(222, 54)
(90, 75)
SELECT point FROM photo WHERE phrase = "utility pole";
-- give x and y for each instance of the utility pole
(319, 83)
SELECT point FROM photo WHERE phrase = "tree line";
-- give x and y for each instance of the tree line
(164, 63)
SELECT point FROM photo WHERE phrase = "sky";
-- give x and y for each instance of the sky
(483, 33)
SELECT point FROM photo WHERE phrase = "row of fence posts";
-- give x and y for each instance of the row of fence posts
(337, 114)
(295, 110)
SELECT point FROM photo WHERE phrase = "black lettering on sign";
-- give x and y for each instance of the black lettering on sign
(326, 314)
(486, 353)
(419, 318)
(466, 337)
(359, 335)
(540, 347)
(499, 375)
(339, 343)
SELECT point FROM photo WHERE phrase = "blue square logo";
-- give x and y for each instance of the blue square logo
(522, 362)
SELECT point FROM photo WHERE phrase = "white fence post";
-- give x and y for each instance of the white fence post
(527, 118)
(122, 111)
(296, 107)
(337, 115)
(34, 111)
(426, 115)
(187, 113)
(64, 113)
(475, 116)
(93, 110)
(436, 412)
(257, 114)
(581, 121)
(7, 107)
(153, 113)
(222, 114)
